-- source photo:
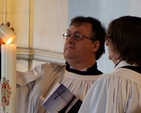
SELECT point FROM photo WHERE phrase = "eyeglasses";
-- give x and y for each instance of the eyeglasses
(76, 36)
(107, 37)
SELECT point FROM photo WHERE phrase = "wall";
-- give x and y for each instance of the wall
(39, 25)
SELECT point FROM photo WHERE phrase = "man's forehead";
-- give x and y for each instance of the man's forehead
(78, 24)
(81, 26)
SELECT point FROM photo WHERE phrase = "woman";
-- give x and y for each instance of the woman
(120, 90)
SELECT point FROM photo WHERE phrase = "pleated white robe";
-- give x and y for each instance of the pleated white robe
(116, 92)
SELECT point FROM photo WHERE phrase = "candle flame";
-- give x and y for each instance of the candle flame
(9, 40)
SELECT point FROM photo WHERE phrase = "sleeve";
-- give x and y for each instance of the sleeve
(30, 86)
(28, 93)
(95, 100)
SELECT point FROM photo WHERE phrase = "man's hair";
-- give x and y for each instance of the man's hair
(125, 35)
(98, 31)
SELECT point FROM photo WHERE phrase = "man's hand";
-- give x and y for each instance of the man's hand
(8, 24)
(1, 42)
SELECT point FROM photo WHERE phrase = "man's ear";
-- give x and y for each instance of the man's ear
(96, 45)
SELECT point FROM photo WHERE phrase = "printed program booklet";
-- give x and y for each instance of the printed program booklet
(62, 100)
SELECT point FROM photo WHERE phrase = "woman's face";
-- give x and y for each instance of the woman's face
(112, 54)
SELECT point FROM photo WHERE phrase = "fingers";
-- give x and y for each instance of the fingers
(1, 42)
(2, 24)
(8, 24)
(12, 28)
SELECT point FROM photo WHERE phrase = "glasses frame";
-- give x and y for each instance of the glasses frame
(74, 36)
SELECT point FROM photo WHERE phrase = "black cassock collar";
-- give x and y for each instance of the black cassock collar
(90, 71)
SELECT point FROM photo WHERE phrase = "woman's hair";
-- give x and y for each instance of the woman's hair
(98, 31)
(125, 35)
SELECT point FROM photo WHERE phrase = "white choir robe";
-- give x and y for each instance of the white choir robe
(116, 92)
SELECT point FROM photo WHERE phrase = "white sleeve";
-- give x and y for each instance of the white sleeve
(95, 100)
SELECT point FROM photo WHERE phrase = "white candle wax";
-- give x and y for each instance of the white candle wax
(8, 79)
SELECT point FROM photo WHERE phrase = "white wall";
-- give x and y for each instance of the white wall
(39, 25)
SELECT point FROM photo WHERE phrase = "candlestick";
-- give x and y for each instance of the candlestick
(8, 79)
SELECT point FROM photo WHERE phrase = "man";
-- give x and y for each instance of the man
(84, 44)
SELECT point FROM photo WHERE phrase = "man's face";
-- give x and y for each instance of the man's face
(79, 50)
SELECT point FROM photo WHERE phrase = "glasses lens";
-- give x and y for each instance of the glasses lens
(65, 35)
(77, 36)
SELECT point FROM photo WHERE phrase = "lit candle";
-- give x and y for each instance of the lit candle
(8, 79)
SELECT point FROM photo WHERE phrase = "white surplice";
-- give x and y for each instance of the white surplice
(33, 86)
(116, 92)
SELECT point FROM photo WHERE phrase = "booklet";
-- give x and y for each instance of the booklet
(62, 100)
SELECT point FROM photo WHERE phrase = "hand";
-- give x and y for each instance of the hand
(1, 42)
(8, 24)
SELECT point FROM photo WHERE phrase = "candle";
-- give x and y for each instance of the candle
(8, 79)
